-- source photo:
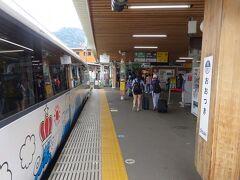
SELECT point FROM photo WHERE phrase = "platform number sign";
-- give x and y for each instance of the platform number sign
(206, 96)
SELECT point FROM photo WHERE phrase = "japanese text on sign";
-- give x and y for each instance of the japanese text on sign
(162, 57)
(206, 95)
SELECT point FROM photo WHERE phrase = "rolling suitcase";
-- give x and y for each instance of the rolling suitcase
(162, 106)
(145, 102)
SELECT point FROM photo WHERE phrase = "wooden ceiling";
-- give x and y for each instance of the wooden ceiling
(113, 30)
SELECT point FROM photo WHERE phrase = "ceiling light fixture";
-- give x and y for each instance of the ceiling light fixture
(159, 6)
(187, 58)
(11, 51)
(180, 61)
(148, 35)
(145, 47)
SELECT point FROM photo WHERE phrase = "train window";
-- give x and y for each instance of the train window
(59, 82)
(75, 74)
(54, 72)
(84, 76)
(16, 80)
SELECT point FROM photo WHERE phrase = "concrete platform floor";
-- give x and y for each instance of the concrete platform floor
(162, 145)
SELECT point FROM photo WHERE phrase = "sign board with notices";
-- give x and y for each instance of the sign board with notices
(206, 97)
(164, 77)
(65, 59)
(195, 90)
(104, 58)
(140, 57)
(162, 57)
(151, 57)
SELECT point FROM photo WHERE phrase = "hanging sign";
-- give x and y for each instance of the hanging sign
(104, 58)
(187, 65)
(205, 98)
(140, 57)
(162, 57)
(65, 59)
(151, 57)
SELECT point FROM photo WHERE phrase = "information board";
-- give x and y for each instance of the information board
(140, 57)
(151, 57)
(104, 58)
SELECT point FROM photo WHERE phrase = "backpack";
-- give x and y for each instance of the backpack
(156, 87)
(137, 87)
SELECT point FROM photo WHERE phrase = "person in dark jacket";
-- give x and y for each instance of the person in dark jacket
(156, 90)
(137, 89)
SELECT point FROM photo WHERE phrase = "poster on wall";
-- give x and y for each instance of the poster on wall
(195, 90)
(162, 57)
(206, 97)
(164, 75)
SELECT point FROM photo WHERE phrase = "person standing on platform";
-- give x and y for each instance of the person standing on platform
(137, 89)
(148, 83)
(156, 90)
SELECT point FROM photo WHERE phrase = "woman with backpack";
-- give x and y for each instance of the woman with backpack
(156, 90)
(137, 89)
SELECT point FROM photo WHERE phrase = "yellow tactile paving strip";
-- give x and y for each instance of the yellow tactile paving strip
(113, 167)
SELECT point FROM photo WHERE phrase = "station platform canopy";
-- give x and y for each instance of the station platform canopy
(111, 32)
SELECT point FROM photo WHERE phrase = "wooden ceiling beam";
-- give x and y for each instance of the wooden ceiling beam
(113, 30)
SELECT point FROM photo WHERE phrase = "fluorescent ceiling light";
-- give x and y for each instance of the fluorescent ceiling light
(11, 51)
(142, 35)
(9, 42)
(181, 61)
(188, 58)
(158, 6)
(145, 47)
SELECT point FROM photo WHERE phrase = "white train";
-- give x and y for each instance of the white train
(43, 86)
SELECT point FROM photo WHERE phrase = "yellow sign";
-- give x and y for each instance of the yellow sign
(173, 83)
(162, 57)
(122, 86)
(49, 90)
(187, 65)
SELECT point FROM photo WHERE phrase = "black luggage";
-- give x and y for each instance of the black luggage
(162, 106)
(145, 102)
